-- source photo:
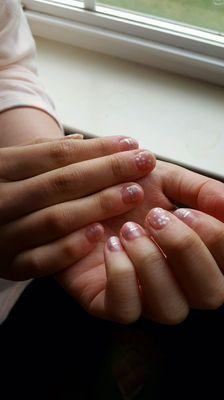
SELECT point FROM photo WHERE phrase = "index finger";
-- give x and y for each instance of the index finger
(22, 162)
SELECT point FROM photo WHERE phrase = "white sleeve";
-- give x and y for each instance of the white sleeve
(19, 83)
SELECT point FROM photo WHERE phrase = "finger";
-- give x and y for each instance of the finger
(39, 140)
(194, 190)
(192, 264)
(73, 182)
(210, 230)
(164, 301)
(59, 220)
(23, 162)
(55, 256)
(122, 297)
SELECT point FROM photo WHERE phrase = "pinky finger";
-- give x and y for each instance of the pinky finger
(122, 297)
(55, 256)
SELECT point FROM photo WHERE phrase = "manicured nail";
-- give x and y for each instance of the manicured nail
(131, 231)
(131, 194)
(74, 136)
(144, 160)
(114, 244)
(128, 144)
(185, 215)
(94, 232)
(158, 218)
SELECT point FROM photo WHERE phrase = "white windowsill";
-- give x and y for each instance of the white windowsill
(178, 118)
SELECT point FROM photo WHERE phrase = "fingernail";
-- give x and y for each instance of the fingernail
(131, 231)
(94, 232)
(158, 218)
(144, 160)
(128, 144)
(185, 215)
(74, 136)
(114, 244)
(131, 194)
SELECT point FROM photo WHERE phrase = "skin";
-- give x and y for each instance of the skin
(93, 275)
(53, 204)
(60, 188)
(107, 290)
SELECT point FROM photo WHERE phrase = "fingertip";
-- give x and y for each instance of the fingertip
(145, 160)
(123, 143)
(77, 136)
(128, 143)
(131, 230)
(94, 232)
(132, 193)
(113, 244)
(157, 219)
(185, 215)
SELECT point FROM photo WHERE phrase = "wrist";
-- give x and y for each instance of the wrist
(24, 124)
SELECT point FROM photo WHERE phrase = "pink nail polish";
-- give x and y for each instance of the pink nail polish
(73, 136)
(144, 160)
(94, 232)
(114, 244)
(131, 231)
(185, 215)
(128, 144)
(131, 194)
(158, 218)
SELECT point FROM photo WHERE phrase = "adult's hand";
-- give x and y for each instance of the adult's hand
(51, 189)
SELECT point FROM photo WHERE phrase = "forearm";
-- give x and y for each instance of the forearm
(24, 124)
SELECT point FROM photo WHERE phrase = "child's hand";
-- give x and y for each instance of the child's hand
(165, 187)
(182, 272)
(52, 189)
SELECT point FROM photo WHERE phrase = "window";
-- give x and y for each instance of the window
(205, 14)
(182, 36)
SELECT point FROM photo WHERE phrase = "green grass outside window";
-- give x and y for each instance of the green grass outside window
(207, 14)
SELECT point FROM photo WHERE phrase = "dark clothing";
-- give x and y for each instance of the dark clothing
(52, 349)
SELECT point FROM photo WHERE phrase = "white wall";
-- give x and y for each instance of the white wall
(176, 117)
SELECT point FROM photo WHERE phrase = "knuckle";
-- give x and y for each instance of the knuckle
(36, 267)
(69, 251)
(154, 257)
(186, 242)
(102, 147)
(57, 222)
(105, 202)
(117, 167)
(206, 197)
(61, 152)
(61, 182)
(65, 181)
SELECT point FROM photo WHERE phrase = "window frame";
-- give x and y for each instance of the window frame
(152, 41)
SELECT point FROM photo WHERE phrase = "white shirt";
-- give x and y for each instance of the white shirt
(19, 86)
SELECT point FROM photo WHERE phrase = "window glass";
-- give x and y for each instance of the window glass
(206, 14)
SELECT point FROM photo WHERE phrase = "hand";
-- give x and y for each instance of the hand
(167, 186)
(52, 189)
